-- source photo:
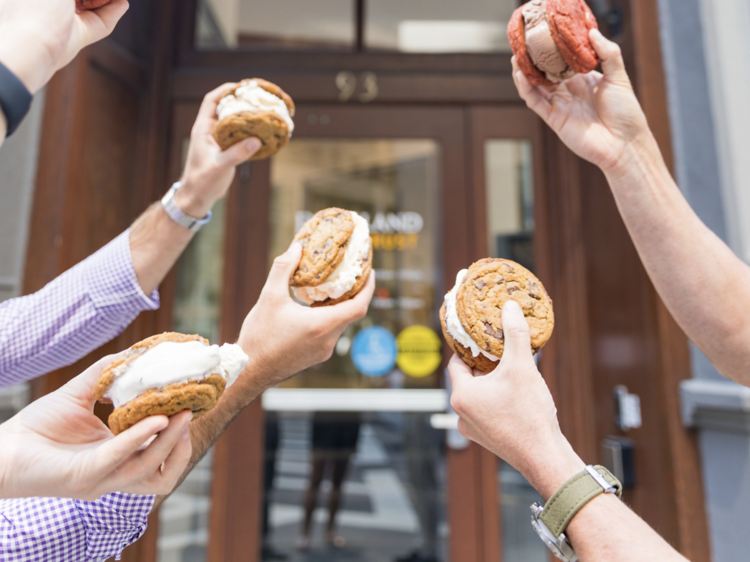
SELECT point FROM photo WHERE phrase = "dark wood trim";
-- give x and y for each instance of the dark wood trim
(359, 25)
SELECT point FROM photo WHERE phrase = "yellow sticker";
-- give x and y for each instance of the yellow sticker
(419, 351)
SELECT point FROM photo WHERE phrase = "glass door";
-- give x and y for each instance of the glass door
(353, 468)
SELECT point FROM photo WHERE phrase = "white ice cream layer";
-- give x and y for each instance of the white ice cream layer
(175, 363)
(345, 276)
(453, 323)
(252, 97)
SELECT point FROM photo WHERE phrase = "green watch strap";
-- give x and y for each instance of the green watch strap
(572, 496)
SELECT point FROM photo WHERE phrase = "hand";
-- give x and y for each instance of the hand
(511, 412)
(282, 337)
(596, 115)
(209, 171)
(39, 37)
(57, 447)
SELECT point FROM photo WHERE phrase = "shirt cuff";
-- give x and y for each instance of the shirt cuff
(112, 281)
(114, 522)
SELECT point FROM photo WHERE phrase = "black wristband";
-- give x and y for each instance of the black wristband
(15, 99)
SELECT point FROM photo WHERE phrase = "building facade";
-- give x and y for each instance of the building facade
(406, 113)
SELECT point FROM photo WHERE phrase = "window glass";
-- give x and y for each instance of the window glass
(438, 26)
(285, 24)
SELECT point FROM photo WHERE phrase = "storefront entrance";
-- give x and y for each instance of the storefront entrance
(407, 114)
(363, 436)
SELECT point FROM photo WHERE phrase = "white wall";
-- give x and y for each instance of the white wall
(727, 47)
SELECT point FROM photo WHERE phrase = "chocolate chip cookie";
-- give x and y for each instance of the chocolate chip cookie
(488, 285)
(266, 125)
(199, 396)
(480, 363)
(324, 239)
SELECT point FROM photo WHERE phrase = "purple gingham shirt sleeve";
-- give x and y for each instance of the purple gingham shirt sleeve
(63, 530)
(81, 310)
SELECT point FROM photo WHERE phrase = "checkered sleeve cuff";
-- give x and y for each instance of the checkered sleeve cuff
(112, 281)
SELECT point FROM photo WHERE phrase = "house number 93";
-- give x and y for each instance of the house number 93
(363, 87)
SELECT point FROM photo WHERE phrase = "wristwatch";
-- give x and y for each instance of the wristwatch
(551, 520)
(177, 214)
(15, 99)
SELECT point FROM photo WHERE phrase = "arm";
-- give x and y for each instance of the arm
(511, 412)
(39, 37)
(310, 335)
(68, 530)
(703, 284)
(94, 301)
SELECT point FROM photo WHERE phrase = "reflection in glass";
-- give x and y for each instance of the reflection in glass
(285, 24)
(353, 485)
(183, 518)
(438, 26)
(510, 235)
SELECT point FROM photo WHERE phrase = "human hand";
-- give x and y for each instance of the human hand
(57, 447)
(511, 411)
(209, 171)
(283, 337)
(39, 37)
(596, 115)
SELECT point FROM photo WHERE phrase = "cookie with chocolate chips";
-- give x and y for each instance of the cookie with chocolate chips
(265, 124)
(480, 363)
(488, 285)
(324, 239)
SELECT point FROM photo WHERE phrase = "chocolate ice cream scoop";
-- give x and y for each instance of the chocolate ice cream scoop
(550, 40)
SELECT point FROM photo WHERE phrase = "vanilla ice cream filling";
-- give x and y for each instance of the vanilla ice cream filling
(453, 323)
(345, 276)
(175, 363)
(251, 97)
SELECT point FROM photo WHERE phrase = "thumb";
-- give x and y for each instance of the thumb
(282, 271)
(114, 452)
(610, 54)
(239, 153)
(99, 23)
(516, 333)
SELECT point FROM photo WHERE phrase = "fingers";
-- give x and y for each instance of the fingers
(111, 454)
(517, 335)
(533, 96)
(174, 467)
(356, 308)
(284, 266)
(152, 457)
(460, 375)
(100, 23)
(238, 153)
(206, 120)
(610, 54)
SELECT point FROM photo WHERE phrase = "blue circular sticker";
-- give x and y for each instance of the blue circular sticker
(374, 351)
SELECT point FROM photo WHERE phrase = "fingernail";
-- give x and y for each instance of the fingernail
(253, 144)
(511, 304)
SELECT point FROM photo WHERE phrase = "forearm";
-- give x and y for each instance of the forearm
(206, 430)
(703, 284)
(605, 530)
(156, 242)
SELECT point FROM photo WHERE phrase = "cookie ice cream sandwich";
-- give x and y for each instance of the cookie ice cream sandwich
(550, 40)
(90, 4)
(471, 315)
(166, 374)
(336, 257)
(255, 108)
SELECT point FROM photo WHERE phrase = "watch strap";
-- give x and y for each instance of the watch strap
(15, 99)
(576, 493)
(178, 215)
